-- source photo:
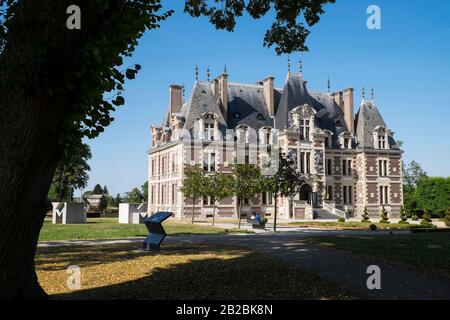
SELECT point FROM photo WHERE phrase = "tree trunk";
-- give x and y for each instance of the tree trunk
(193, 210)
(275, 215)
(214, 213)
(28, 158)
(239, 215)
(34, 106)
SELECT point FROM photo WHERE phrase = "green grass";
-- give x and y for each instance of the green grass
(353, 225)
(109, 228)
(178, 271)
(426, 252)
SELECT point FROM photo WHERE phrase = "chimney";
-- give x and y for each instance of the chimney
(337, 96)
(348, 109)
(176, 97)
(223, 93)
(268, 94)
(215, 87)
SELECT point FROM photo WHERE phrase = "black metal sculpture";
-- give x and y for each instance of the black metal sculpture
(156, 231)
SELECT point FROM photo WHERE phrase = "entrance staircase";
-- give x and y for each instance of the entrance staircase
(322, 214)
(329, 212)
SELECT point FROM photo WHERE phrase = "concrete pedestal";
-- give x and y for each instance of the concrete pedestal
(68, 213)
(132, 213)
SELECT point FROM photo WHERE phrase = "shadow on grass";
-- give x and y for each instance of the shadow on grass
(210, 272)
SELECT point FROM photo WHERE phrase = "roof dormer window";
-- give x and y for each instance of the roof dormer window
(304, 129)
(381, 138)
(345, 140)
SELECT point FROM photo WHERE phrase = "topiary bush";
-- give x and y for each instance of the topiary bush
(384, 216)
(365, 216)
(447, 218)
(414, 218)
(426, 218)
(340, 219)
(373, 227)
(403, 216)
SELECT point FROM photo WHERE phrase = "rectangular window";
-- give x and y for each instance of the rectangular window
(329, 167)
(302, 162)
(209, 131)
(329, 193)
(344, 194)
(174, 189)
(347, 193)
(304, 129)
(245, 202)
(346, 142)
(209, 162)
(383, 168)
(384, 195)
(308, 162)
(347, 167)
(207, 201)
(212, 162)
(381, 141)
(163, 193)
(174, 161)
(152, 195)
(267, 198)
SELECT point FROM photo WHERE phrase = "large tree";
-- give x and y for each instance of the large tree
(218, 186)
(58, 85)
(193, 186)
(412, 175)
(285, 182)
(245, 185)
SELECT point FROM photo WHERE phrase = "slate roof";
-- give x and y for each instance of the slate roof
(329, 116)
(246, 105)
(367, 118)
(202, 100)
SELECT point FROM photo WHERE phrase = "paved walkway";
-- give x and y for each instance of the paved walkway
(344, 269)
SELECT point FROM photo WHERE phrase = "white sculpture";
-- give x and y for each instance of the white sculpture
(68, 212)
(132, 213)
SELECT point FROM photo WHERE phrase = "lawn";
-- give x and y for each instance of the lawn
(352, 225)
(425, 252)
(109, 228)
(179, 271)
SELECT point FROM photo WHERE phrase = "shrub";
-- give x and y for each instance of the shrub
(414, 218)
(403, 216)
(447, 218)
(447, 221)
(426, 218)
(340, 219)
(373, 227)
(365, 215)
(384, 216)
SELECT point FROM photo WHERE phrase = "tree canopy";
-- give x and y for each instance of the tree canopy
(286, 182)
(70, 174)
(58, 86)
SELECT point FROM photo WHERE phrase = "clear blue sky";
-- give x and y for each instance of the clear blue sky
(407, 62)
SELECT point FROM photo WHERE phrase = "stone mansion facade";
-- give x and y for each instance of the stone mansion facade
(349, 161)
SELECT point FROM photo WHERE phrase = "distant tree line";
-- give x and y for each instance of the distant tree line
(423, 194)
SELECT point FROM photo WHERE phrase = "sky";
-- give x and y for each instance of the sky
(406, 62)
